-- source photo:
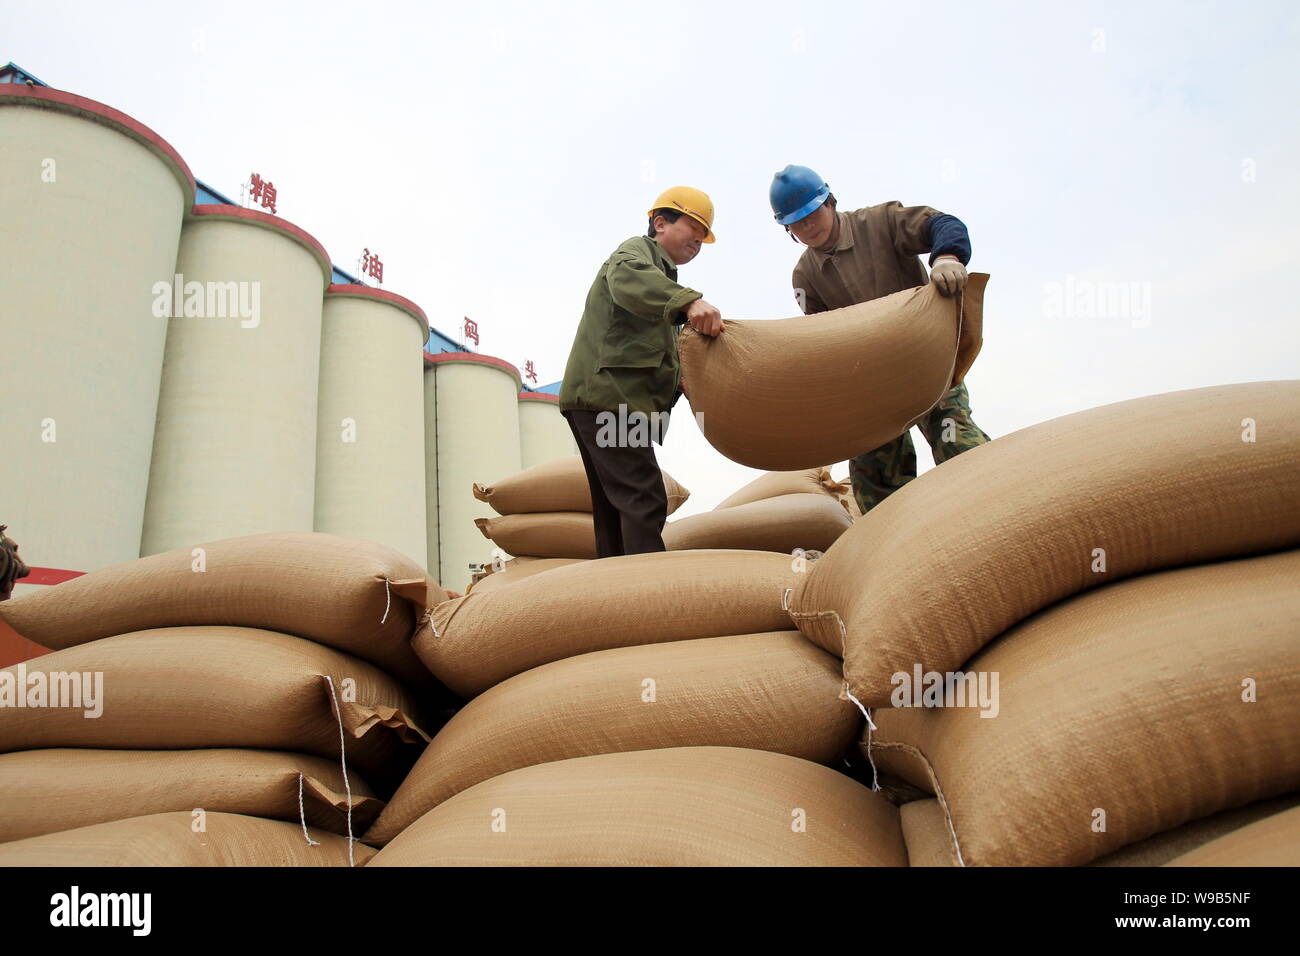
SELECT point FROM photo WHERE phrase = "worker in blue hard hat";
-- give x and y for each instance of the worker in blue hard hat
(863, 254)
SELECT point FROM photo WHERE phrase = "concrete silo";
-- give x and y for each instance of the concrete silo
(472, 404)
(370, 464)
(92, 204)
(543, 432)
(235, 444)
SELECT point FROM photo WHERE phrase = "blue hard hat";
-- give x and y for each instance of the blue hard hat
(796, 192)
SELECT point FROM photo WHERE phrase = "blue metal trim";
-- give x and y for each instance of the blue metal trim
(11, 72)
(438, 342)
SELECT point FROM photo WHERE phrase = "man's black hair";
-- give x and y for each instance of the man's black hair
(672, 215)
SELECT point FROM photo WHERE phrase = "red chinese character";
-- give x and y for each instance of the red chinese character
(529, 372)
(471, 330)
(371, 265)
(263, 191)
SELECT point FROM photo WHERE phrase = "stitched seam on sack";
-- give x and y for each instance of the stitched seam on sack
(954, 848)
(844, 633)
(425, 618)
(434, 627)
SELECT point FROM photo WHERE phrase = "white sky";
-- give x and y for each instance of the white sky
(494, 154)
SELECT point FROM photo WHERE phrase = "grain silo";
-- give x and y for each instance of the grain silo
(235, 448)
(475, 417)
(543, 432)
(370, 446)
(93, 203)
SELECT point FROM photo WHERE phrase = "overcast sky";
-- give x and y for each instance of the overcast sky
(494, 154)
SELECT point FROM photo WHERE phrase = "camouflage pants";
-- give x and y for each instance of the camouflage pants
(949, 430)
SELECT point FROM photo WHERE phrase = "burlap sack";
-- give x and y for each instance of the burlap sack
(14, 647)
(556, 534)
(169, 839)
(772, 691)
(812, 481)
(1274, 841)
(801, 392)
(1164, 847)
(348, 593)
(684, 806)
(184, 687)
(1132, 701)
(517, 569)
(925, 831)
(965, 551)
(784, 523)
(556, 485)
(479, 640)
(44, 791)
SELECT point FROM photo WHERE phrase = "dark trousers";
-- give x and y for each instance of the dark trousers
(628, 501)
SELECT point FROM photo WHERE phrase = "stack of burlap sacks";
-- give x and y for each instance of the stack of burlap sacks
(651, 709)
(546, 517)
(1127, 572)
(545, 512)
(259, 701)
(779, 511)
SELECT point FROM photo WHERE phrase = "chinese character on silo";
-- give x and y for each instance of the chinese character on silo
(529, 371)
(371, 266)
(263, 191)
(471, 330)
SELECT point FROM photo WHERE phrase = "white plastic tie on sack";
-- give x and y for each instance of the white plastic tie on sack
(433, 622)
(302, 814)
(875, 779)
(952, 833)
(388, 602)
(865, 713)
(785, 598)
(344, 762)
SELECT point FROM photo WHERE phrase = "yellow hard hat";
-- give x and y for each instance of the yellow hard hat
(694, 203)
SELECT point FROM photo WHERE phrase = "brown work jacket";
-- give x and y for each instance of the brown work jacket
(876, 255)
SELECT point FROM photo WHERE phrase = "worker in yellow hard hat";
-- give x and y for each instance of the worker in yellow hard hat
(624, 373)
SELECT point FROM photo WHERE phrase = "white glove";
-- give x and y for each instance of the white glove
(949, 275)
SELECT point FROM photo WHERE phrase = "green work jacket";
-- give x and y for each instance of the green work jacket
(625, 349)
